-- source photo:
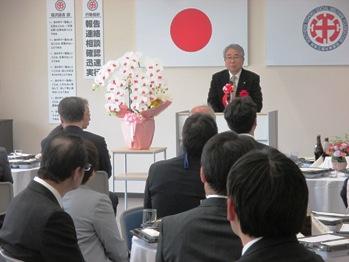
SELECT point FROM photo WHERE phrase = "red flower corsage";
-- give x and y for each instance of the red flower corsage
(244, 92)
(227, 90)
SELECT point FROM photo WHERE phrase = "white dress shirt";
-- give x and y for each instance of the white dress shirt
(51, 188)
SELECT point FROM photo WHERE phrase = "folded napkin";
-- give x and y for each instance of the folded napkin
(327, 163)
(318, 162)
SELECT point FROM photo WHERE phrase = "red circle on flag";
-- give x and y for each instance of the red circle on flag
(191, 30)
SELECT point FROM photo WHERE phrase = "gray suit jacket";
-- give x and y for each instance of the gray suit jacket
(96, 229)
(200, 234)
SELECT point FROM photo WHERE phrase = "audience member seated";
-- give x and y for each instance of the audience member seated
(75, 116)
(204, 233)
(267, 205)
(241, 115)
(204, 109)
(36, 228)
(174, 185)
(92, 212)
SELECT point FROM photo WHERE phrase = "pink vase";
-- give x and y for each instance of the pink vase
(338, 166)
(138, 134)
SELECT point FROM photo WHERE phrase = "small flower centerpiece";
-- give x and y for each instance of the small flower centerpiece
(338, 150)
(135, 91)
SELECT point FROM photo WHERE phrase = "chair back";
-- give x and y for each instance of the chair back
(130, 219)
(99, 182)
(6, 195)
(5, 258)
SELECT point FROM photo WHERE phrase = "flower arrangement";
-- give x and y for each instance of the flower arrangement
(338, 149)
(136, 92)
(134, 85)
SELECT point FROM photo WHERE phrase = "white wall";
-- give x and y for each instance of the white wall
(311, 100)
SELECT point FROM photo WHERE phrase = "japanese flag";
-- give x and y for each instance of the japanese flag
(191, 32)
(307, 32)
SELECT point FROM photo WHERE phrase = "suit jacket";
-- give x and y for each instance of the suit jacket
(98, 141)
(97, 232)
(170, 188)
(283, 249)
(248, 81)
(37, 229)
(200, 234)
(5, 169)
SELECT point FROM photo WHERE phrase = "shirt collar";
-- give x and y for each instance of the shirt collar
(51, 188)
(237, 75)
(249, 244)
(216, 196)
(247, 134)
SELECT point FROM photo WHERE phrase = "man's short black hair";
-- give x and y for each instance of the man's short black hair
(197, 129)
(220, 153)
(93, 160)
(241, 114)
(63, 154)
(72, 108)
(270, 194)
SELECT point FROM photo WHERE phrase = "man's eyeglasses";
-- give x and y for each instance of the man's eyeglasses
(233, 58)
(87, 167)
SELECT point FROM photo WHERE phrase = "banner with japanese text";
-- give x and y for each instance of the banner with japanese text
(92, 19)
(61, 53)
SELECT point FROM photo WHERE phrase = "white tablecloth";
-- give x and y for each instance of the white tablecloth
(142, 251)
(22, 177)
(324, 194)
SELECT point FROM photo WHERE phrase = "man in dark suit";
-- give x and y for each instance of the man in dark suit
(75, 116)
(246, 83)
(36, 228)
(241, 115)
(203, 233)
(267, 206)
(173, 186)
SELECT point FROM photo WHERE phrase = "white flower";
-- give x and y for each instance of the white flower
(131, 81)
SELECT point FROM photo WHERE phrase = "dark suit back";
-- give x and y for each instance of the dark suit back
(200, 234)
(277, 250)
(98, 141)
(171, 188)
(37, 229)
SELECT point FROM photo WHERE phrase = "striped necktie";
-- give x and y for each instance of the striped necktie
(233, 81)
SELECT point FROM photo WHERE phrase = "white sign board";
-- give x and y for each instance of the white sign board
(92, 19)
(61, 53)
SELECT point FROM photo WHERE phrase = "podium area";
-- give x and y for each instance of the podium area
(266, 131)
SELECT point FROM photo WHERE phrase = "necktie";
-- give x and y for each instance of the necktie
(233, 81)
